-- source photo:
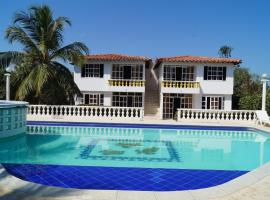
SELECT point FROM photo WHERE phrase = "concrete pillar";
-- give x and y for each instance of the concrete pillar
(264, 95)
(264, 82)
(7, 86)
(228, 102)
(161, 106)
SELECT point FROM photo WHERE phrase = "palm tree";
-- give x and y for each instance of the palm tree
(225, 51)
(40, 74)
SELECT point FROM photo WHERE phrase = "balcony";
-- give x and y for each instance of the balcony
(186, 87)
(180, 84)
(126, 83)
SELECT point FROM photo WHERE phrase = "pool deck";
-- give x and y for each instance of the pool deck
(254, 185)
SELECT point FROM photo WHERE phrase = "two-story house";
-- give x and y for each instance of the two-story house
(195, 82)
(187, 82)
(112, 80)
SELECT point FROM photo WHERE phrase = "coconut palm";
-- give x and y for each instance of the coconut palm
(40, 74)
(225, 51)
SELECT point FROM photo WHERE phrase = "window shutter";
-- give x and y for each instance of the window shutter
(101, 71)
(86, 99)
(83, 71)
(203, 102)
(205, 73)
(219, 103)
(208, 103)
(224, 73)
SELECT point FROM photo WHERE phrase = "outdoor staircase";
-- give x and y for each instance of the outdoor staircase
(152, 96)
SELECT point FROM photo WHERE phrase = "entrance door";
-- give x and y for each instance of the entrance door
(176, 105)
(127, 72)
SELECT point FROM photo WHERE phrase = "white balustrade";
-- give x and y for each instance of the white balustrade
(216, 115)
(77, 113)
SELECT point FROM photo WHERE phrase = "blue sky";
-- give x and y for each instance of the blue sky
(158, 28)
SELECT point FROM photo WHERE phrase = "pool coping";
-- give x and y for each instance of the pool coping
(14, 188)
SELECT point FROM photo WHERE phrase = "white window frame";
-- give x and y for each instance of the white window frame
(214, 73)
(118, 71)
(120, 99)
(137, 72)
(95, 99)
(169, 72)
(214, 102)
(168, 101)
(92, 70)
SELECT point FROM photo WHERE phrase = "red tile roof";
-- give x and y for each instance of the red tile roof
(198, 59)
(116, 57)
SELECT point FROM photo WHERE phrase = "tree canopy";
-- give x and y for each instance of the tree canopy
(248, 91)
(40, 74)
(225, 51)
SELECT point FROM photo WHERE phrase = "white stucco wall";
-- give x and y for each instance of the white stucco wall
(215, 86)
(197, 100)
(207, 87)
(102, 84)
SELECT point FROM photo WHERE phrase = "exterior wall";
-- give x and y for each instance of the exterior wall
(93, 83)
(197, 101)
(207, 87)
(102, 84)
(107, 98)
(215, 86)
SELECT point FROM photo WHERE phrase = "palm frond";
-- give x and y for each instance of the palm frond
(73, 53)
(14, 57)
(15, 33)
(38, 73)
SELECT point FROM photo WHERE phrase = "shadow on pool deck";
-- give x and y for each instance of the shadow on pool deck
(34, 191)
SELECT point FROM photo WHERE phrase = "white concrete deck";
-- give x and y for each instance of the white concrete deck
(254, 185)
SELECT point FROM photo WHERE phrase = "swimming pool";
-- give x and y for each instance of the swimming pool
(133, 157)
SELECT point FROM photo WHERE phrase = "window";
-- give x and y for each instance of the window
(117, 72)
(93, 99)
(213, 102)
(137, 72)
(187, 74)
(93, 70)
(169, 73)
(215, 73)
(178, 73)
(134, 72)
(130, 99)
(171, 102)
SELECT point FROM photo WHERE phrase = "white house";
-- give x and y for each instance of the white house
(173, 82)
(195, 82)
(112, 80)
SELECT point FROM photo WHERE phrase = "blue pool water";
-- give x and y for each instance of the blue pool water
(133, 157)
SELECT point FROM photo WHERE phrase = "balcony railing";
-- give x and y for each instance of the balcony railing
(126, 83)
(180, 84)
(216, 115)
(77, 113)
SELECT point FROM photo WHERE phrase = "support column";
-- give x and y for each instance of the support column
(161, 106)
(7, 86)
(263, 95)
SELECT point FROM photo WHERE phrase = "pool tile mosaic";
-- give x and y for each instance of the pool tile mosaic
(121, 178)
(173, 155)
